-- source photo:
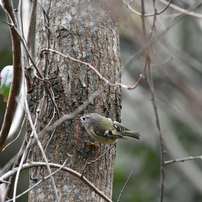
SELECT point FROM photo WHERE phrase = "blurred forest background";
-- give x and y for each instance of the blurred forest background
(177, 75)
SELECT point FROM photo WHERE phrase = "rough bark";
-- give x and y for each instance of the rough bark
(88, 31)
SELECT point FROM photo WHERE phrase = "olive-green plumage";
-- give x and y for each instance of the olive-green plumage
(104, 130)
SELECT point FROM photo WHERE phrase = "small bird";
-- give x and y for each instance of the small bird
(104, 130)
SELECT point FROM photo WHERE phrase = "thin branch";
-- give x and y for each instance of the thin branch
(162, 145)
(17, 75)
(162, 64)
(39, 182)
(142, 18)
(146, 15)
(15, 164)
(53, 127)
(19, 169)
(20, 21)
(57, 123)
(168, 4)
(95, 70)
(99, 157)
(154, 102)
(19, 133)
(130, 61)
(40, 77)
(46, 23)
(121, 192)
(12, 26)
(159, 36)
(154, 22)
(71, 171)
(40, 147)
(31, 20)
(183, 159)
(181, 10)
(74, 113)
(20, 34)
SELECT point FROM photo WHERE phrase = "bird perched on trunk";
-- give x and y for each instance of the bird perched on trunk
(104, 130)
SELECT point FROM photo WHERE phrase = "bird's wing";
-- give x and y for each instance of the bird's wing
(113, 134)
(119, 127)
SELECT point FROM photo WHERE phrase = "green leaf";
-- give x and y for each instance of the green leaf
(6, 77)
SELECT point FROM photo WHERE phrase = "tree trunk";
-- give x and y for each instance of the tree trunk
(87, 31)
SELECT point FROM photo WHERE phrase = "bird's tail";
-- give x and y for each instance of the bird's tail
(132, 134)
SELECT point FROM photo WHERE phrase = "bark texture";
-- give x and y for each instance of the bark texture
(88, 31)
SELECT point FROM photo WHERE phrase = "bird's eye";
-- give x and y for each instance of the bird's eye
(83, 118)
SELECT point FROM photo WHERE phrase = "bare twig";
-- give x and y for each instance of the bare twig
(168, 4)
(183, 159)
(12, 26)
(159, 36)
(49, 91)
(53, 127)
(162, 145)
(39, 182)
(154, 102)
(71, 171)
(73, 114)
(19, 133)
(19, 169)
(48, 33)
(99, 157)
(57, 123)
(31, 20)
(16, 163)
(142, 18)
(17, 75)
(95, 70)
(121, 192)
(39, 76)
(181, 10)
(146, 15)
(41, 148)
